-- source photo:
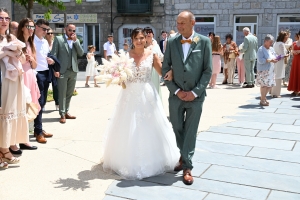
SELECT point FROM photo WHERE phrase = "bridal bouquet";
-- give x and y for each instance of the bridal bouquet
(116, 71)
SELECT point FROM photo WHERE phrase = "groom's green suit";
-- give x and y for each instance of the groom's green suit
(192, 74)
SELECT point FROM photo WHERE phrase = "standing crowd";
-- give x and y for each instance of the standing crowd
(30, 59)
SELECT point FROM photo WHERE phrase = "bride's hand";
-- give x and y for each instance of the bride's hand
(169, 75)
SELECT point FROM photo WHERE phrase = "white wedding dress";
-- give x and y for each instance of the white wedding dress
(139, 141)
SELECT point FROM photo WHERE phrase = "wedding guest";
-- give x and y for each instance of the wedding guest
(172, 33)
(288, 46)
(67, 49)
(280, 50)
(90, 68)
(13, 28)
(50, 39)
(42, 69)
(230, 50)
(13, 120)
(266, 57)
(109, 48)
(249, 50)
(25, 34)
(294, 82)
(163, 42)
(152, 45)
(217, 51)
(211, 36)
(240, 66)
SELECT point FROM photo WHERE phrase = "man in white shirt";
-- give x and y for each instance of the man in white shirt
(109, 48)
(42, 50)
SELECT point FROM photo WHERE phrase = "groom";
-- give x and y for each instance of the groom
(189, 55)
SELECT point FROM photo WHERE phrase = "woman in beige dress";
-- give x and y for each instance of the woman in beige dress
(13, 120)
(230, 50)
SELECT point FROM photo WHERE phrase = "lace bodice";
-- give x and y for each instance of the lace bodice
(142, 73)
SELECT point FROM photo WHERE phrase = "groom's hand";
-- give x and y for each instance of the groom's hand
(181, 94)
(189, 96)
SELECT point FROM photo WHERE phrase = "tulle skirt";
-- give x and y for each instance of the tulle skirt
(139, 141)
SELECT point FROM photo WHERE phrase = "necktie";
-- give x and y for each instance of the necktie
(186, 41)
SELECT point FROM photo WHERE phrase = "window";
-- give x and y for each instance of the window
(204, 25)
(92, 36)
(240, 22)
(292, 23)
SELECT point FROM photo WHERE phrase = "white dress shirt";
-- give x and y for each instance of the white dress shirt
(110, 48)
(185, 48)
(70, 42)
(42, 50)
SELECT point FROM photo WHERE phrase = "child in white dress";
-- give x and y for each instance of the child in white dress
(90, 68)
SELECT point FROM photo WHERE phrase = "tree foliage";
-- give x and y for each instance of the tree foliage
(28, 4)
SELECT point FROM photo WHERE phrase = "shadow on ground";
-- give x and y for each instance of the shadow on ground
(82, 183)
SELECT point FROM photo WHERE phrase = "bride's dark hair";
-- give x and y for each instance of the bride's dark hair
(135, 32)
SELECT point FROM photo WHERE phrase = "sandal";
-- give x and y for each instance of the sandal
(12, 160)
(263, 103)
(276, 96)
(3, 165)
(87, 85)
(96, 85)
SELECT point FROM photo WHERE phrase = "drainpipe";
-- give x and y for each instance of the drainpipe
(111, 19)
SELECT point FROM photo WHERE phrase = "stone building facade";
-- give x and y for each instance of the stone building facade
(219, 16)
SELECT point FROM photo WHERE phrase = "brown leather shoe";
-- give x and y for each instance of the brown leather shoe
(62, 119)
(179, 166)
(40, 139)
(187, 177)
(68, 116)
(46, 135)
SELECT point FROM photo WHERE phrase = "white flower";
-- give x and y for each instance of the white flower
(196, 39)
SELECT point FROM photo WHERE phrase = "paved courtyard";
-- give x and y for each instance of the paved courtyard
(243, 151)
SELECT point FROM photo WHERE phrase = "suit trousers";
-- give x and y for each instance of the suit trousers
(185, 117)
(249, 66)
(43, 86)
(276, 90)
(66, 85)
(55, 93)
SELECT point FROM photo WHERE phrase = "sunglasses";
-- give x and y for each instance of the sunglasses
(44, 29)
(30, 27)
(4, 18)
(70, 30)
(49, 33)
(149, 31)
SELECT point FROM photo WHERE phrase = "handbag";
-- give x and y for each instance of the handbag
(232, 55)
(32, 110)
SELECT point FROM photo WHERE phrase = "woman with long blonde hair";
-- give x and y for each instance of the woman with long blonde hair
(217, 51)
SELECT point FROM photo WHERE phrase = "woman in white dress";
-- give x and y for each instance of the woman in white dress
(152, 45)
(280, 50)
(139, 141)
(90, 68)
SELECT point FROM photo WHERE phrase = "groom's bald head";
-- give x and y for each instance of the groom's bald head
(185, 23)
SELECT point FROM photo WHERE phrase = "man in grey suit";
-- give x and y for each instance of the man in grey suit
(66, 48)
(189, 55)
(250, 48)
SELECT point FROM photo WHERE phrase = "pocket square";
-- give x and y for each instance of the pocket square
(196, 51)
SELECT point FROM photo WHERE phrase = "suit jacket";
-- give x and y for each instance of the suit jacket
(64, 54)
(53, 68)
(250, 47)
(161, 45)
(194, 73)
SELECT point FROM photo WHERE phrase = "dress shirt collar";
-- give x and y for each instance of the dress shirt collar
(191, 37)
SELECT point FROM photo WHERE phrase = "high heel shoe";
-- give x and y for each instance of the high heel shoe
(18, 152)
(263, 103)
(12, 160)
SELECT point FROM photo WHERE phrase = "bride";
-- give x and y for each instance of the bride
(139, 141)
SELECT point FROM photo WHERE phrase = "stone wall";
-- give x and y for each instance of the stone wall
(164, 16)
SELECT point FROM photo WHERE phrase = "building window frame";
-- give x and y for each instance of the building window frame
(238, 38)
(294, 27)
(207, 25)
(94, 39)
